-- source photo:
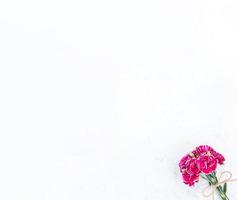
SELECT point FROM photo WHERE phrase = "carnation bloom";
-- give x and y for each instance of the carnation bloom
(203, 159)
(202, 162)
(207, 164)
(183, 161)
(191, 167)
(207, 150)
(190, 179)
(204, 149)
(220, 158)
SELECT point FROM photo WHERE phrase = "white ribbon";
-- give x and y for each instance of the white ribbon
(225, 177)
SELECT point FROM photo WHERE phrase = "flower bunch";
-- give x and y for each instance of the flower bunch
(202, 162)
(203, 159)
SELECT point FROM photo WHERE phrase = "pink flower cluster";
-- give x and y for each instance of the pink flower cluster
(203, 159)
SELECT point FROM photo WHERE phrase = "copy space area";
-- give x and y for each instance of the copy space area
(100, 99)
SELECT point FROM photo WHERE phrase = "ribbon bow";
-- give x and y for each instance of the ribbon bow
(225, 177)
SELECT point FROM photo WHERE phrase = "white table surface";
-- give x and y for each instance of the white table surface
(100, 99)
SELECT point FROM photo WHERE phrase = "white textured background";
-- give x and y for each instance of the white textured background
(100, 99)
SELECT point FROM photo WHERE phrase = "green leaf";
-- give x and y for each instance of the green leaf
(225, 188)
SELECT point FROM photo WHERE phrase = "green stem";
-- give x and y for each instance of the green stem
(212, 179)
(221, 193)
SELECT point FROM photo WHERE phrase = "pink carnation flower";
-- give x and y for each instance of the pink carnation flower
(190, 179)
(183, 161)
(189, 169)
(207, 164)
(204, 149)
(204, 159)
(207, 150)
(192, 167)
(220, 158)
(202, 162)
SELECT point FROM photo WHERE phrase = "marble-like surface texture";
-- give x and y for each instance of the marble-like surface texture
(100, 99)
